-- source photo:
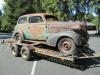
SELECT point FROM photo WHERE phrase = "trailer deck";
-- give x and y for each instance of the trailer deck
(52, 53)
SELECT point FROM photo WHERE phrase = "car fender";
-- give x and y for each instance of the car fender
(16, 32)
(54, 38)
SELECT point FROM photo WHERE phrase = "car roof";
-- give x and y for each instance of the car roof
(36, 14)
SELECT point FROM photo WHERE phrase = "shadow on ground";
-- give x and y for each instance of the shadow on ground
(94, 35)
(80, 64)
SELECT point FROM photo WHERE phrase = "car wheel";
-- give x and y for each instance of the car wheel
(66, 46)
(15, 50)
(26, 53)
(18, 38)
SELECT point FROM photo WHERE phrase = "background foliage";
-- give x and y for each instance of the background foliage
(64, 9)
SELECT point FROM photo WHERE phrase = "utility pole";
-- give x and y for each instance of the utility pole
(0, 13)
(99, 23)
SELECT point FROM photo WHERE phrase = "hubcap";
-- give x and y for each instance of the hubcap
(13, 51)
(24, 53)
(66, 46)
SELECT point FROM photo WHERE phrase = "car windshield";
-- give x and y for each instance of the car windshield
(50, 18)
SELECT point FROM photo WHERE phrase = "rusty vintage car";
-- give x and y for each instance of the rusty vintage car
(65, 36)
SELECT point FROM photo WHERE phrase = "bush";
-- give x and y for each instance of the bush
(95, 21)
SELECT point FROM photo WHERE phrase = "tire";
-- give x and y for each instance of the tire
(18, 38)
(67, 46)
(26, 53)
(15, 50)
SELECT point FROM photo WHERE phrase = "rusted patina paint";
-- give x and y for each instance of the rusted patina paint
(23, 30)
(42, 30)
(37, 30)
(54, 27)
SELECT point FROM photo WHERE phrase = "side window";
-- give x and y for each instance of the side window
(35, 19)
(22, 20)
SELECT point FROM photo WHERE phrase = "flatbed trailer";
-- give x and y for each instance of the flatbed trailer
(30, 48)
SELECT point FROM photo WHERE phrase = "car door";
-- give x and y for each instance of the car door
(22, 27)
(37, 27)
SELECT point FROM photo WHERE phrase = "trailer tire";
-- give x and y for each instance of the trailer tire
(15, 50)
(26, 53)
(66, 46)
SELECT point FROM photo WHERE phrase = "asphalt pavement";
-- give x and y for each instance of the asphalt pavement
(10, 65)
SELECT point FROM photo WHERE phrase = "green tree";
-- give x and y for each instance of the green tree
(13, 9)
(96, 3)
(50, 6)
(62, 8)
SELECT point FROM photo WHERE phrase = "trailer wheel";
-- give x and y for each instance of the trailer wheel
(66, 46)
(15, 50)
(26, 53)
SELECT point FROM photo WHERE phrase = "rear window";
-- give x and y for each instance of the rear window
(51, 18)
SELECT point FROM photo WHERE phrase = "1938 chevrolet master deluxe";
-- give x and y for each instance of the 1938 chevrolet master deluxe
(66, 36)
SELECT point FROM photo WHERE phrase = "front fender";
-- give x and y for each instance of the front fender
(54, 38)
